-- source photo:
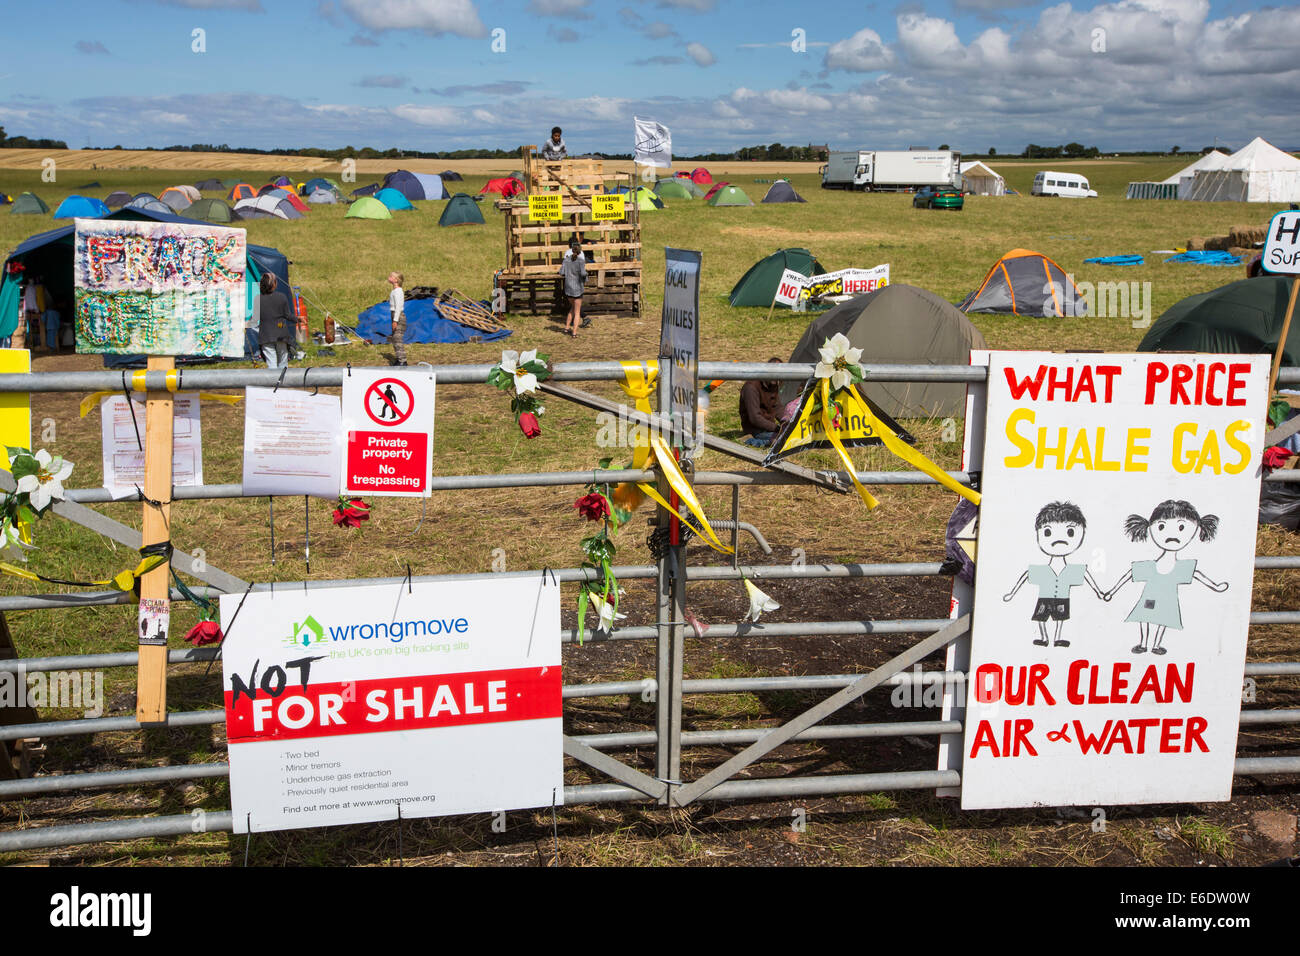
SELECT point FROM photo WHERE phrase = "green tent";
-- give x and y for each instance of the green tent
(212, 210)
(367, 207)
(730, 196)
(1242, 317)
(645, 198)
(673, 189)
(462, 210)
(29, 204)
(758, 286)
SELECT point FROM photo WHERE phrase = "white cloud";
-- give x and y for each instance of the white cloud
(432, 16)
(864, 52)
(577, 9)
(701, 54)
(387, 82)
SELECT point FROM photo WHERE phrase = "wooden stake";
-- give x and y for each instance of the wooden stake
(151, 672)
(1281, 342)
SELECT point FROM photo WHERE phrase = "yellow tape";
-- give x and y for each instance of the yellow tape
(94, 398)
(900, 449)
(137, 381)
(833, 437)
(666, 463)
(123, 581)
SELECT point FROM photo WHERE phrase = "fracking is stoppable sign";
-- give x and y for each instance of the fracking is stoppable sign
(387, 444)
(345, 704)
(1113, 577)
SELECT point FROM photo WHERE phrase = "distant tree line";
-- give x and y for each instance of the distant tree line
(22, 142)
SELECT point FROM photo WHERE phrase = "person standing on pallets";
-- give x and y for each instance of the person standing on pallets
(397, 308)
(554, 148)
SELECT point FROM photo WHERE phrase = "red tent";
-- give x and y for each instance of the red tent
(295, 202)
(716, 187)
(700, 175)
(682, 174)
(506, 187)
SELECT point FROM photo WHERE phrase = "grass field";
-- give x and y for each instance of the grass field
(343, 263)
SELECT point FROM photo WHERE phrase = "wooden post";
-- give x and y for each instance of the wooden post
(1281, 342)
(151, 672)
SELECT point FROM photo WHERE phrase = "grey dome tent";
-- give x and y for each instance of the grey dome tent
(209, 184)
(461, 211)
(899, 324)
(757, 286)
(322, 195)
(29, 204)
(212, 210)
(267, 207)
(782, 191)
(118, 199)
(451, 176)
(147, 203)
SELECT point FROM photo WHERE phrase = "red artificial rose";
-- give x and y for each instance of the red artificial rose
(528, 425)
(205, 632)
(351, 515)
(1276, 456)
(593, 507)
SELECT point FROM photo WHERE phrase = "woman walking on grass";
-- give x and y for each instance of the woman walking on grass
(397, 308)
(574, 272)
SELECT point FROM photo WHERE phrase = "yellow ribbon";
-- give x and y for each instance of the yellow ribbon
(665, 462)
(123, 581)
(94, 398)
(832, 435)
(900, 449)
(641, 377)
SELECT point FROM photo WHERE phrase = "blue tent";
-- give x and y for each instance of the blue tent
(393, 199)
(424, 323)
(84, 207)
(367, 190)
(415, 186)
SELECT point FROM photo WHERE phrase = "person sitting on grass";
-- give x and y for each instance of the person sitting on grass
(759, 417)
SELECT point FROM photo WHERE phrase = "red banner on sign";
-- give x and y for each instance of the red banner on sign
(387, 461)
(394, 703)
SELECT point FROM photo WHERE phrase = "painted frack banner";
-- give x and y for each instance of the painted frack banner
(346, 705)
(1113, 578)
(159, 288)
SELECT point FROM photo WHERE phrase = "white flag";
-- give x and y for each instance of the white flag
(654, 143)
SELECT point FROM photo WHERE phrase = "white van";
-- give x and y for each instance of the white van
(1048, 183)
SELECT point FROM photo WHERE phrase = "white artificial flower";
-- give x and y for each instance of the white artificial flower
(837, 355)
(758, 601)
(605, 610)
(12, 544)
(47, 484)
(513, 363)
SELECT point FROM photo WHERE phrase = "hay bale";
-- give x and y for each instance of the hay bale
(1217, 243)
(1247, 236)
(1195, 244)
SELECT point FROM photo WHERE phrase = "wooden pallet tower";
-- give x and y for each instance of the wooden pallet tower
(535, 249)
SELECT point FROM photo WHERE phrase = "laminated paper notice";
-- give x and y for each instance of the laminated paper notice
(292, 442)
(124, 441)
(155, 618)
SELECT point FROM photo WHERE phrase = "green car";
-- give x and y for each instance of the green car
(937, 197)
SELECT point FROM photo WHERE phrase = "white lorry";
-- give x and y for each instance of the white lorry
(897, 170)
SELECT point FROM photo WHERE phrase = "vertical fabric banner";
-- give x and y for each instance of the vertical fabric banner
(679, 340)
(1113, 578)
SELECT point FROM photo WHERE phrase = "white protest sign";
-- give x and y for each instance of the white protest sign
(388, 432)
(788, 289)
(123, 436)
(291, 442)
(343, 704)
(1113, 578)
(846, 282)
(652, 143)
(1282, 244)
(679, 339)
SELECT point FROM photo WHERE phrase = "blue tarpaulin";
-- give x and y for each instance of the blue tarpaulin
(1115, 260)
(424, 323)
(1207, 258)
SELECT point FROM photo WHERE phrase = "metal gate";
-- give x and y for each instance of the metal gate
(672, 574)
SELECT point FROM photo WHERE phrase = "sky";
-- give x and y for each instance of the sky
(721, 74)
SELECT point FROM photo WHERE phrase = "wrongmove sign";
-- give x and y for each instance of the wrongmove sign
(1113, 578)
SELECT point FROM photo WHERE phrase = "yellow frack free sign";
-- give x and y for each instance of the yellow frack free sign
(547, 207)
(15, 407)
(857, 424)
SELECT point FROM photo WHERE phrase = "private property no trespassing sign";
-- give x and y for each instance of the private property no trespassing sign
(388, 432)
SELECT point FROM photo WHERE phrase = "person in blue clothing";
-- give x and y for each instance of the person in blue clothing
(1058, 530)
(1173, 525)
